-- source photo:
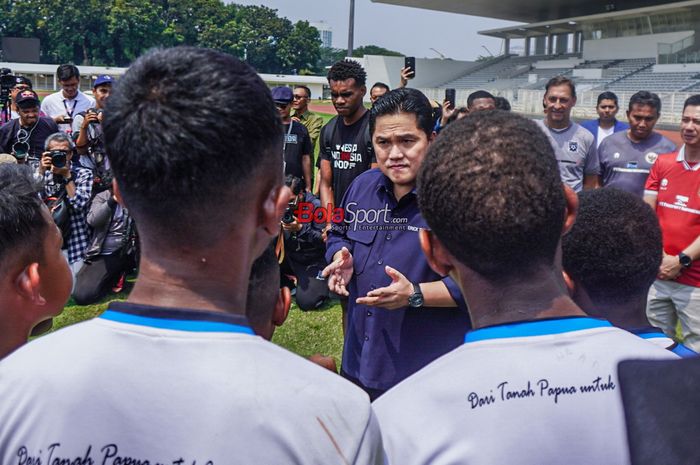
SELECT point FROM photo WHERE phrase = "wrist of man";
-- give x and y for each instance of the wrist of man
(684, 260)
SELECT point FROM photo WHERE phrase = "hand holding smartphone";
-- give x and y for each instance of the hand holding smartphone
(410, 63)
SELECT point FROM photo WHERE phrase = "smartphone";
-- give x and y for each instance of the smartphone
(67, 120)
(450, 96)
(410, 62)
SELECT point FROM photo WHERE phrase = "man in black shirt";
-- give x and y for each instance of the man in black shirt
(24, 137)
(297, 143)
(345, 147)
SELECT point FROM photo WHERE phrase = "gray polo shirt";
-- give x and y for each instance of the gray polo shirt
(576, 153)
(625, 164)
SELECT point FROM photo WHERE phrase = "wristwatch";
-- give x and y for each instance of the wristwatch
(685, 260)
(415, 300)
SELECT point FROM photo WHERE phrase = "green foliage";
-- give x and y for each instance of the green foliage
(375, 50)
(115, 32)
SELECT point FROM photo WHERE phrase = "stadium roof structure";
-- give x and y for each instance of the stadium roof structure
(573, 24)
(531, 11)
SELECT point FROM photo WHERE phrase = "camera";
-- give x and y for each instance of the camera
(95, 111)
(297, 186)
(58, 158)
(289, 217)
(7, 82)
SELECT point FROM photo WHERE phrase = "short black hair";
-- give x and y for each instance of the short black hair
(404, 100)
(263, 288)
(490, 190)
(502, 103)
(693, 100)
(607, 95)
(23, 227)
(646, 98)
(348, 69)
(561, 81)
(306, 89)
(182, 152)
(477, 95)
(381, 85)
(65, 72)
(614, 249)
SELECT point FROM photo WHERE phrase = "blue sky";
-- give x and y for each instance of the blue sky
(411, 31)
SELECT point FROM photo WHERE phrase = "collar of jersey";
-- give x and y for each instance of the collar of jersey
(681, 159)
(544, 327)
(179, 319)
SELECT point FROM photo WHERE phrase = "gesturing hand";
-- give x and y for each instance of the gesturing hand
(393, 296)
(339, 273)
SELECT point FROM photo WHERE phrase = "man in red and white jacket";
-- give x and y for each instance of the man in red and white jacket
(673, 191)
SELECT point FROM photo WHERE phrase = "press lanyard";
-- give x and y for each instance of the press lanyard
(289, 131)
(70, 113)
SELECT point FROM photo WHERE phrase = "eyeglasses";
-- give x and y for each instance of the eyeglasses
(21, 88)
(281, 104)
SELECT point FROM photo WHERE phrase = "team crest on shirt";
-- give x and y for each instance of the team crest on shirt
(664, 183)
(616, 155)
(651, 157)
(573, 146)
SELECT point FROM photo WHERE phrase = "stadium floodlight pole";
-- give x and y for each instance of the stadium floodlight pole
(351, 28)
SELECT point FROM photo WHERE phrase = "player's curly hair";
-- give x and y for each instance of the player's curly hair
(347, 69)
(614, 249)
(490, 190)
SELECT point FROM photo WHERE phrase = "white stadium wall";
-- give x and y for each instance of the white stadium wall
(643, 46)
(429, 72)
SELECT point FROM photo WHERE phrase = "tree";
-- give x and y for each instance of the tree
(375, 50)
(133, 26)
(301, 49)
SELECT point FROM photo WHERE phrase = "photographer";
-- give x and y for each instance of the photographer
(24, 137)
(63, 105)
(8, 106)
(304, 250)
(70, 184)
(112, 250)
(89, 143)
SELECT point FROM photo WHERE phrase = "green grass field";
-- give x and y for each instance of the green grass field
(304, 333)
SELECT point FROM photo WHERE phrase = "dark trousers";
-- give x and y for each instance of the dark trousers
(311, 292)
(97, 277)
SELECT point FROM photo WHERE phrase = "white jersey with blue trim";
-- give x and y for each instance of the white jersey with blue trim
(177, 387)
(657, 337)
(531, 393)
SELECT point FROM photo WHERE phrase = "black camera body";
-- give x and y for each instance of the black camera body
(7, 82)
(58, 158)
(95, 111)
(289, 217)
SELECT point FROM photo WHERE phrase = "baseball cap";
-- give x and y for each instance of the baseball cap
(27, 99)
(103, 79)
(23, 80)
(282, 94)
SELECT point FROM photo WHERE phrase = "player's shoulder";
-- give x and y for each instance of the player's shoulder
(582, 134)
(666, 159)
(366, 180)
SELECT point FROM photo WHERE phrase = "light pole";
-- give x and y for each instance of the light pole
(351, 28)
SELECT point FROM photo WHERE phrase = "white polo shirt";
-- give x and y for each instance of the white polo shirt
(532, 393)
(176, 387)
(56, 104)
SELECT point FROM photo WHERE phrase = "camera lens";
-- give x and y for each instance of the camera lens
(58, 158)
